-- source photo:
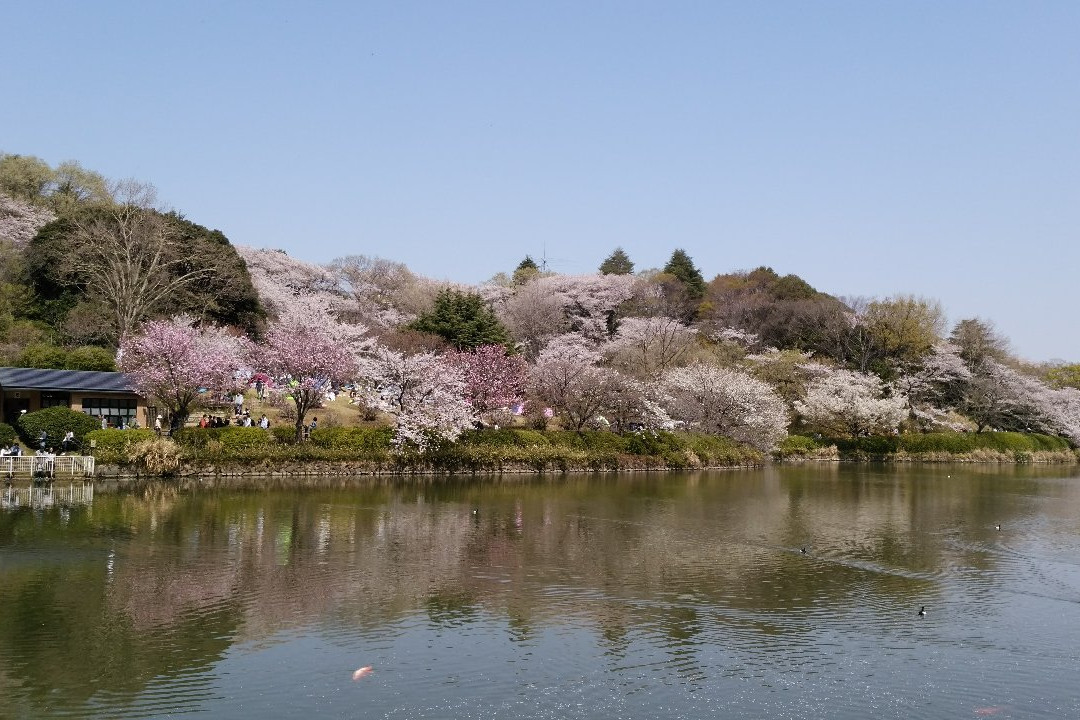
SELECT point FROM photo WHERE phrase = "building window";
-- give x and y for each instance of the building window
(55, 399)
(117, 412)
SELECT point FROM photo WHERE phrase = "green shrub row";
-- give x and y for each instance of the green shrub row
(362, 442)
(229, 439)
(968, 442)
(371, 441)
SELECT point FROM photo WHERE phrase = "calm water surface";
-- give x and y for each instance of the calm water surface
(629, 596)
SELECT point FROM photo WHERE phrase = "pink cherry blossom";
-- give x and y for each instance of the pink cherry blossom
(173, 360)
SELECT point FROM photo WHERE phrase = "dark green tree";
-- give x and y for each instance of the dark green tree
(221, 293)
(226, 297)
(463, 320)
(617, 263)
(682, 267)
(526, 270)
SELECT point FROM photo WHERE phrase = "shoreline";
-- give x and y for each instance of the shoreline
(361, 469)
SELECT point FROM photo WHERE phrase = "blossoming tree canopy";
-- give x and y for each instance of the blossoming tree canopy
(313, 351)
(172, 360)
(852, 403)
(424, 392)
(728, 402)
(493, 378)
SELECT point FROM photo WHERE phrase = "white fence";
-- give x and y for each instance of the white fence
(50, 466)
(44, 496)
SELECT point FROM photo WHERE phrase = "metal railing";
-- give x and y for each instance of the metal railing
(49, 466)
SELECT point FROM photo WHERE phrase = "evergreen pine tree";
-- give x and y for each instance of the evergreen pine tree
(617, 263)
(463, 320)
(682, 267)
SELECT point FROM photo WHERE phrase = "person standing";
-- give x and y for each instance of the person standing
(157, 425)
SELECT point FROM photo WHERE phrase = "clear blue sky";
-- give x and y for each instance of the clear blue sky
(872, 148)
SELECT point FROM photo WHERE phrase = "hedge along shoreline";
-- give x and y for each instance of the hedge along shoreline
(1001, 447)
(369, 450)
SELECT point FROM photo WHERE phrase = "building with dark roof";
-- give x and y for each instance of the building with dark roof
(102, 394)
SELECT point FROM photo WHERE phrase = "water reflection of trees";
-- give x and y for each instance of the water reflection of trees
(144, 586)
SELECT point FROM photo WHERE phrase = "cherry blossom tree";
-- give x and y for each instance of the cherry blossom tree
(742, 338)
(590, 302)
(20, 220)
(936, 387)
(852, 403)
(647, 346)
(380, 288)
(1003, 398)
(493, 379)
(567, 379)
(587, 303)
(532, 315)
(311, 353)
(1063, 412)
(631, 404)
(726, 402)
(424, 392)
(286, 284)
(176, 363)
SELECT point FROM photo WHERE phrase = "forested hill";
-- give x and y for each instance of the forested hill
(84, 261)
(749, 354)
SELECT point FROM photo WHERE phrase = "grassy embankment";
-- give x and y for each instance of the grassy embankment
(1007, 447)
(348, 450)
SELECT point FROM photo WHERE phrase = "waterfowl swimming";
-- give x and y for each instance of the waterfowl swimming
(803, 551)
(922, 610)
(998, 526)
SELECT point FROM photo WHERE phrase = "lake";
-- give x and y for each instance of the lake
(674, 595)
